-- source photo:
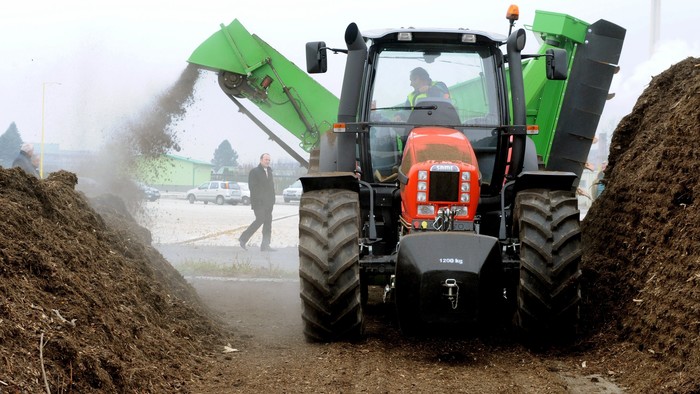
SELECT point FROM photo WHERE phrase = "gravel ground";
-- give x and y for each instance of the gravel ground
(187, 233)
(271, 355)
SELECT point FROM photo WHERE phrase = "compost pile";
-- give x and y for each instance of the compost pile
(86, 304)
(642, 238)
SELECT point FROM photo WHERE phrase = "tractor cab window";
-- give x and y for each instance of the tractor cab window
(452, 86)
(463, 81)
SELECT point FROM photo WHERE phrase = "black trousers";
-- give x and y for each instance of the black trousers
(263, 217)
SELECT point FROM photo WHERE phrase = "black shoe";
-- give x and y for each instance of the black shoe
(267, 249)
(242, 243)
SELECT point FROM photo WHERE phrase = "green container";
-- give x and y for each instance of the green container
(556, 24)
(543, 97)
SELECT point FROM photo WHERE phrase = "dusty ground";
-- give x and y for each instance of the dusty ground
(88, 305)
(272, 355)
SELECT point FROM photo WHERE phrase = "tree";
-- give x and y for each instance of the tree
(224, 156)
(10, 142)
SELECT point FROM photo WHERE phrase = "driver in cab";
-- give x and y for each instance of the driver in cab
(424, 87)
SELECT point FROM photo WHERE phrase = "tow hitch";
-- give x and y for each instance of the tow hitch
(452, 293)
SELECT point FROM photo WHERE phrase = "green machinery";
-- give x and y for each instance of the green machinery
(250, 68)
(567, 112)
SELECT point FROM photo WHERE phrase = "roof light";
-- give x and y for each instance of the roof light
(405, 36)
(469, 38)
(513, 13)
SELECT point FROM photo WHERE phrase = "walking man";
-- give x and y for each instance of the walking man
(262, 199)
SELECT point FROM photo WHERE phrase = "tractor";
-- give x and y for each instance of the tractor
(438, 195)
(454, 197)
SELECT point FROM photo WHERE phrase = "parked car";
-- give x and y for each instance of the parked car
(293, 192)
(219, 192)
(245, 192)
(150, 193)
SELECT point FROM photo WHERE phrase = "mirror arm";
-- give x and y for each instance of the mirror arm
(534, 56)
(334, 50)
(523, 57)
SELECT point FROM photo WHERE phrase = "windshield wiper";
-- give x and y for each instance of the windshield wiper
(424, 107)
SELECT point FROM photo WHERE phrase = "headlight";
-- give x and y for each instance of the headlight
(465, 187)
(422, 185)
(422, 175)
(460, 210)
(426, 210)
(464, 197)
(466, 176)
(421, 197)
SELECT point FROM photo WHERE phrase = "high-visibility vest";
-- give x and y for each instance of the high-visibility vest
(413, 96)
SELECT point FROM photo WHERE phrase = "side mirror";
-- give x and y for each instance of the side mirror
(316, 61)
(557, 66)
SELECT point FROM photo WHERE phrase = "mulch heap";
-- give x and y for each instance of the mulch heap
(86, 304)
(642, 238)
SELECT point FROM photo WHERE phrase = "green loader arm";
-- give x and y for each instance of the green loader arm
(250, 68)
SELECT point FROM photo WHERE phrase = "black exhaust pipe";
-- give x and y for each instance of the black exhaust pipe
(342, 155)
(515, 44)
(354, 70)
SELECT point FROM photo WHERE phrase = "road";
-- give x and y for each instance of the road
(195, 235)
(270, 353)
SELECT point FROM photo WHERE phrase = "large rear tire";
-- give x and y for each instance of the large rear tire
(329, 268)
(550, 256)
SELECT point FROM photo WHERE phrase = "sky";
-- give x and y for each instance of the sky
(74, 71)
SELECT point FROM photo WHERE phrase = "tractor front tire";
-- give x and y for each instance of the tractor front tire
(549, 294)
(329, 268)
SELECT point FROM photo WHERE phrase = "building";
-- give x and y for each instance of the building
(175, 173)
